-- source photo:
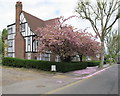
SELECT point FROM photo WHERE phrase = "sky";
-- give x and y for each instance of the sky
(43, 9)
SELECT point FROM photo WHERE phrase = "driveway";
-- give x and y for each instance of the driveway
(30, 81)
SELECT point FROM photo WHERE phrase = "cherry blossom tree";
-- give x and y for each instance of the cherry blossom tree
(61, 39)
(87, 45)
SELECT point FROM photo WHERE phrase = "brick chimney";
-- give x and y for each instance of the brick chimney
(19, 40)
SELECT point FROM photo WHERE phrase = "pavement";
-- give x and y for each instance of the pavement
(27, 81)
(104, 82)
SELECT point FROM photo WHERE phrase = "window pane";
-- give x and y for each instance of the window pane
(45, 56)
(29, 40)
(10, 43)
(9, 30)
(10, 55)
(22, 27)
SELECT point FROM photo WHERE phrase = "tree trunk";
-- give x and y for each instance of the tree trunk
(62, 58)
(102, 54)
(65, 59)
(110, 60)
(80, 56)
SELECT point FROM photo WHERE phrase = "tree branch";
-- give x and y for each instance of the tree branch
(112, 23)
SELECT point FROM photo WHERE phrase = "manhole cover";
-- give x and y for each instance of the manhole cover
(40, 86)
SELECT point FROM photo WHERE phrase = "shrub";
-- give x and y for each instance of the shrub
(93, 63)
(44, 65)
(70, 66)
(108, 61)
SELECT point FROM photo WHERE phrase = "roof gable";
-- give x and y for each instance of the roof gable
(35, 22)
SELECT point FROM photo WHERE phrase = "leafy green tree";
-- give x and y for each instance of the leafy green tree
(102, 16)
(4, 34)
(0, 45)
(3, 37)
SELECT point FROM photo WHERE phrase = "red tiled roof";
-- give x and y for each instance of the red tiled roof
(51, 21)
(35, 22)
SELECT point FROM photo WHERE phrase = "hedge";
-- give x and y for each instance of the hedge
(93, 63)
(46, 65)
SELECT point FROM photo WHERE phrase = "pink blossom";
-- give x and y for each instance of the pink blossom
(88, 70)
(63, 40)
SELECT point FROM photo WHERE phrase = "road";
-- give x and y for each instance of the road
(28, 81)
(105, 82)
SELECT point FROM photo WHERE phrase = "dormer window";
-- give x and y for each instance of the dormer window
(22, 27)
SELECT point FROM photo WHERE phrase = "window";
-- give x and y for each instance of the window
(29, 41)
(45, 56)
(37, 43)
(22, 27)
(10, 43)
(57, 59)
(10, 30)
(34, 45)
(10, 55)
(29, 56)
(28, 44)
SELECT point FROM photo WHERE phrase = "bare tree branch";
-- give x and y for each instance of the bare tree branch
(99, 15)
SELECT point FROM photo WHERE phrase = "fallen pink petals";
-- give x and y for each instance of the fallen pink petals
(79, 78)
(60, 82)
(88, 70)
(92, 74)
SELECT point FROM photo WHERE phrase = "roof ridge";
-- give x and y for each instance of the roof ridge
(52, 19)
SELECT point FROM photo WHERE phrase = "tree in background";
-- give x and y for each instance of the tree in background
(61, 39)
(112, 43)
(102, 15)
(0, 44)
(4, 37)
(88, 46)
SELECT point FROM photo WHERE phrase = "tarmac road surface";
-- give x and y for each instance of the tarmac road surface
(103, 83)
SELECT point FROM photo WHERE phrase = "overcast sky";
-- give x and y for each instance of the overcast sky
(43, 9)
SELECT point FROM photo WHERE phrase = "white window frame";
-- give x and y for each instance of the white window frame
(10, 31)
(29, 41)
(10, 43)
(45, 56)
(10, 55)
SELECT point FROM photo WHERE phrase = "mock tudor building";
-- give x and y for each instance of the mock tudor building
(21, 43)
